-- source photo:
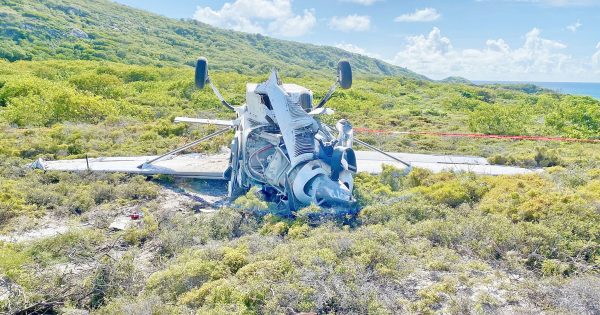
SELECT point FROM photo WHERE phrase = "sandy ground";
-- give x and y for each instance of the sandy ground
(182, 195)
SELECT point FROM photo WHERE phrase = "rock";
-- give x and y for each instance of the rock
(4, 290)
(121, 223)
(74, 311)
(8, 289)
(78, 33)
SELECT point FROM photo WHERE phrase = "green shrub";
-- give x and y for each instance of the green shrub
(250, 202)
(12, 202)
(539, 157)
(369, 189)
(591, 191)
(500, 119)
(392, 177)
(138, 188)
(136, 235)
(57, 105)
(412, 210)
(575, 116)
(453, 192)
(298, 231)
(507, 194)
(225, 224)
(80, 200)
(12, 262)
(184, 276)
(278, 228)
(106, 85)
(463, 103)
(553, 267)
(79, 243)
(140, 74)
(235, 258)
(214, 293)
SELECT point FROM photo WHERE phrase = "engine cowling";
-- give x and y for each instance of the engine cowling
(314, 171)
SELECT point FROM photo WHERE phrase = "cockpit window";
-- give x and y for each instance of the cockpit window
(306, 101)
(264, 99)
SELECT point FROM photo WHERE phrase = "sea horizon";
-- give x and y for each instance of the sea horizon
(591, 89)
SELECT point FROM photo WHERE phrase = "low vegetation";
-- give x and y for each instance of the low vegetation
(423, 243)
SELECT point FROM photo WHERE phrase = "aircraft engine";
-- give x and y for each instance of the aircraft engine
(303, 160)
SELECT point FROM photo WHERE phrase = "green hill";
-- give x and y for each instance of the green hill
(103, 30)
(459, 80)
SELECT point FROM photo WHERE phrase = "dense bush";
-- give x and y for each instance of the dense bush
(577, 117)
(423, 242)
(500, 119)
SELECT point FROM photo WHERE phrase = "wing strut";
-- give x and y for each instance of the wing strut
(328, 95)
(219, 96)
(382, 152)
(373, 148)
(187, 146)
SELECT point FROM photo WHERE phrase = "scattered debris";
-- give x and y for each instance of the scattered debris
(121, 223)
(135, 215)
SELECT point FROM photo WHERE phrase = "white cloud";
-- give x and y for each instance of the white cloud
(422, 15)
(357, 50)
(538, 59)
(353, 22)
(294, 26)
(259, 16)
(574, 27)
(362, 2)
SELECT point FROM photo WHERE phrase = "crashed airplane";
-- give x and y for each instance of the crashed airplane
(281, 146)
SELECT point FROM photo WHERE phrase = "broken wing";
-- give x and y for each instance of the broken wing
(372, 162)
(186, 165)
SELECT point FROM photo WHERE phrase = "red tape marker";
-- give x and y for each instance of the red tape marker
(478, 135)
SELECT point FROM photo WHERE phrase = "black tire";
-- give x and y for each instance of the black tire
(345, 74)
(201, 72)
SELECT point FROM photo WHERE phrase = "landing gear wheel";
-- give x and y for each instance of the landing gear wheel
(234, 188)
(201, 73)
(345, 74)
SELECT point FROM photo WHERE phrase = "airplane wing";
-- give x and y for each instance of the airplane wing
(372, 162)
(185, 165)
(202, 121)
(214, 166)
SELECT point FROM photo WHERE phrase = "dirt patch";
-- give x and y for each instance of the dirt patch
(181, 196)
(49, 229)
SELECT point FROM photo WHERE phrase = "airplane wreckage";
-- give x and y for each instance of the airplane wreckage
(281, 146)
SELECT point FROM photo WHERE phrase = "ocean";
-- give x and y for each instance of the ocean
(575, 88)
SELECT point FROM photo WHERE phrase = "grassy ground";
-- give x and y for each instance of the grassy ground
(423, 243)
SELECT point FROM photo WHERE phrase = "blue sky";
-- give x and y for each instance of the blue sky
(519, 40)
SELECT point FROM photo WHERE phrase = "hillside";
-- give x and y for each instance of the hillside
(459, 80)
(103, 30)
